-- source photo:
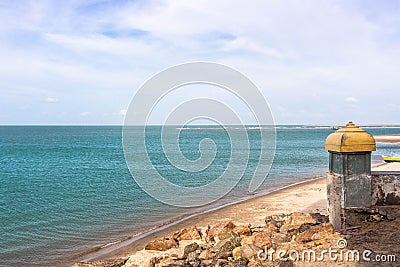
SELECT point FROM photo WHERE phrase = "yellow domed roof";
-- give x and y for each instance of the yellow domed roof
(350, 139)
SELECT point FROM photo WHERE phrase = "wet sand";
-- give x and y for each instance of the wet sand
(308, 196)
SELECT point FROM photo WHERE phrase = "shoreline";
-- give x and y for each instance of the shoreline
(126, 247)
(387, 138)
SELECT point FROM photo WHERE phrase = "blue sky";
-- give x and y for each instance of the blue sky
(80, 62)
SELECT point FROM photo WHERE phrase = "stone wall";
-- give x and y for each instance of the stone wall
(355, 198)
(385, 189)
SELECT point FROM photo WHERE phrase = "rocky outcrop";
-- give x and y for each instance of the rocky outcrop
(220, 229)
(226, 244)
(191, 233)
(162, 244)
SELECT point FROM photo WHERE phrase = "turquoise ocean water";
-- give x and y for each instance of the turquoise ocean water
(67, 189)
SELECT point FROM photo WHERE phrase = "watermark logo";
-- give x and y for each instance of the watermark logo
(157, 88)
(339, 254)
(341, 243)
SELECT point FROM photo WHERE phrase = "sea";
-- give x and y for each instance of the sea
(66, 190)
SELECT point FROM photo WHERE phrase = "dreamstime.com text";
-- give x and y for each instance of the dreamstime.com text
(336, 255)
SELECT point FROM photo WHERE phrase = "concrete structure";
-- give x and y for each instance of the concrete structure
(385, 184)
(353, 190)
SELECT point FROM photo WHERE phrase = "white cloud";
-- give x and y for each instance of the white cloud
(84, 114)
(97, 52)
(51, 100)
(122, 112)
(351, 99)
(242, 44)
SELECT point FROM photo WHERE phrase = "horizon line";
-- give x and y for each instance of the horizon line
(178, 125)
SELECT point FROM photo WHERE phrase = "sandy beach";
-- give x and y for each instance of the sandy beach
(392, 138)
(308, 196)
(387, 167)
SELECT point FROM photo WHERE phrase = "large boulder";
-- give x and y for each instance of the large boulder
(262, 240)
(225, 235)
(299, 218)
(316, 232)
(191, 233)
(162, 244)
(190, 248)
(242, 230)
(223, 249)
(295, 221)
(248, 251)
(220, 229)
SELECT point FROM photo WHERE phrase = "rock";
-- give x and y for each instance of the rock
(316, 243)
(190, 248)
(299, 218)
(208, 263)
(248, 251)
(242, 262)
(262, 240)
(374, 218)
(272, 227)
(304, 227)
(277, 219)
(247, 240)
(152, 262)
(191, 233)
(206, 254)
(219, 229)
(242, 230)
(162, 244)
(223, 249)
(295, 221)
(105, 263)
(320, 218)
(205, 246)
(290, 230)
(222, 263)
(255, 263)
(316, 232)
(237, 252)
(192, 256)
(170, 263)
(225, 235)
(281, 238)
(257, 228)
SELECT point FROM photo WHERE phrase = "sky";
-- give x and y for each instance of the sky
(316, 62)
